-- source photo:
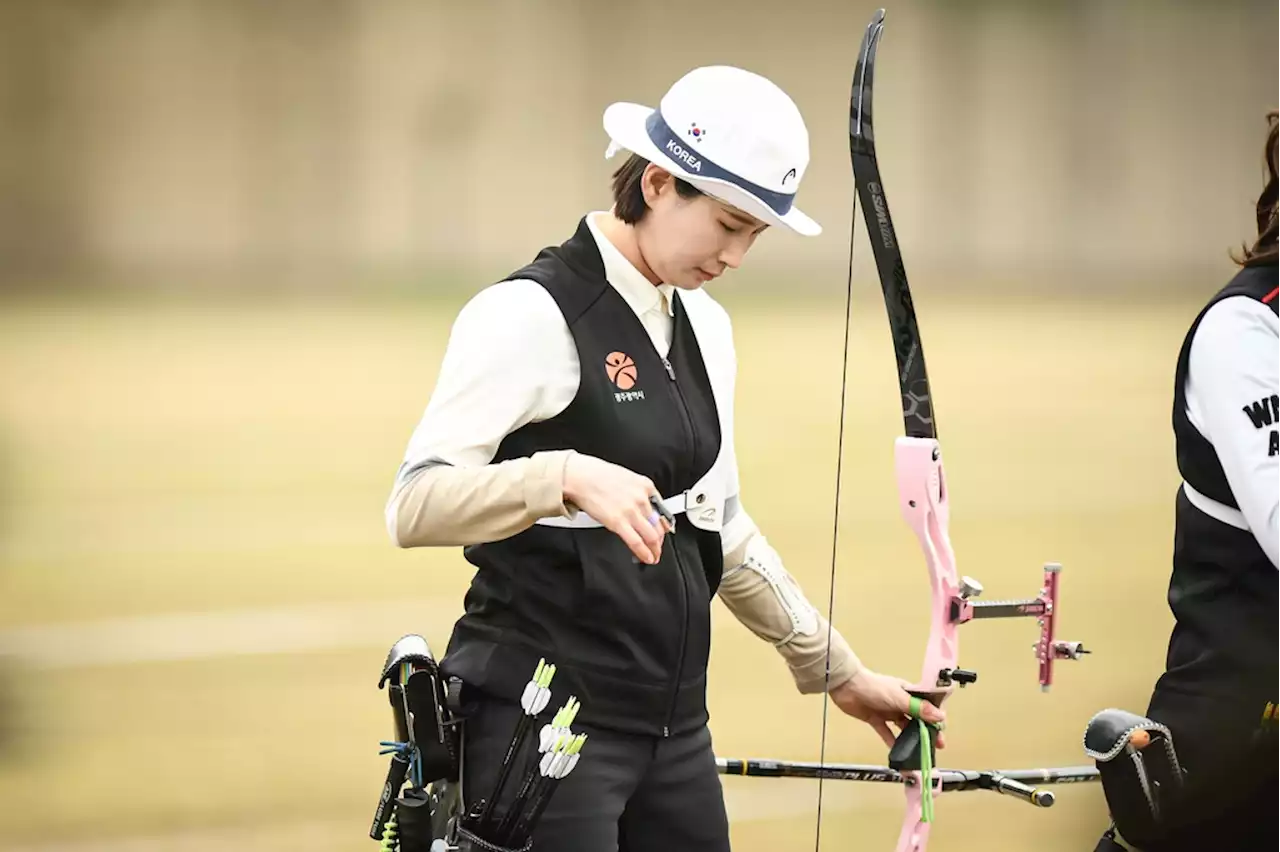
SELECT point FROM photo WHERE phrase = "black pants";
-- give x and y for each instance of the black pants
(628, 793)
(1230, 759)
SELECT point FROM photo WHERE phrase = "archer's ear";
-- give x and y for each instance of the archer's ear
(654, 182)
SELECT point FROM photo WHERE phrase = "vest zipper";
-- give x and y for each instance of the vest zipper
(684, 580)
(684, 638)
(684, 410)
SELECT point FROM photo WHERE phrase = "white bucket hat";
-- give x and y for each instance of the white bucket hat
(731, 133)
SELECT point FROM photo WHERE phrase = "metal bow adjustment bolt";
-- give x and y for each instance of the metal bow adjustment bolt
(970, 588)
(1069, 650)
(963, 677)
(1064, 650)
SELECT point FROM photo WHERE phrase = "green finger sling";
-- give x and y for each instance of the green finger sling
(926, 760)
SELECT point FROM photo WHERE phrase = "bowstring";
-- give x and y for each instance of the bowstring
(835, 532)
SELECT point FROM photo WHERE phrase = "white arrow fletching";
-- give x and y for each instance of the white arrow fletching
(530, 695)
(540, 701)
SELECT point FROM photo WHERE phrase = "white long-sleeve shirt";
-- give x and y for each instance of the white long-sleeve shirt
(1232, 389)
(512, 360)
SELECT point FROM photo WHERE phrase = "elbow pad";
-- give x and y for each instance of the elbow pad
(764, 561)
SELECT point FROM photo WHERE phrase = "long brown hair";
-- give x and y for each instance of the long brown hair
(1264, 248)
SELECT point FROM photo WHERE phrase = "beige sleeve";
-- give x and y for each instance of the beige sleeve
(754, 602)
(449, 506)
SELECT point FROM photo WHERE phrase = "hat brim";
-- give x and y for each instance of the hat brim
(625, 124)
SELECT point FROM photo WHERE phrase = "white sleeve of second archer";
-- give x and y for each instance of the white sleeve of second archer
(1233, 398)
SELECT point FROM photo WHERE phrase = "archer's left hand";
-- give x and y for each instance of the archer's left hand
(881, 700)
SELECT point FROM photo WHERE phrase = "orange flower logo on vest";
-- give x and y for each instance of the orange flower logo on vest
(621, 370)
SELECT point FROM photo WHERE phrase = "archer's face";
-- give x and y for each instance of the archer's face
(690, 241)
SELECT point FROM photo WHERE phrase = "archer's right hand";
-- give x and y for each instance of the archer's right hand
(618, 499)
(881, 700)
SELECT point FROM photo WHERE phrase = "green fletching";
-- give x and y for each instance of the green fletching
(564, 716)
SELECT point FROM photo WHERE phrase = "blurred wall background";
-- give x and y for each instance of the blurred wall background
(186, 143)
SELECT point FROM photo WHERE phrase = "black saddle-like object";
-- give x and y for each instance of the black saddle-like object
(1139, 770)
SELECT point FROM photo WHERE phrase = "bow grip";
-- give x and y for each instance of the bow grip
(905, 754)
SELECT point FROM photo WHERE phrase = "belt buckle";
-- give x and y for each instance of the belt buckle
(660, 506)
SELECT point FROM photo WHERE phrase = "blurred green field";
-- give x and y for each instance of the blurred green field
(225, 464)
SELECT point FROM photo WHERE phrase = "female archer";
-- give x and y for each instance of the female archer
(577, 395)
(1218, 694)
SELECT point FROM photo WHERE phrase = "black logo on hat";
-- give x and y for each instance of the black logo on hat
(789, 174)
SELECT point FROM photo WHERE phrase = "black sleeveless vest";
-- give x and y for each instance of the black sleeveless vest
(1223, 590)
(630, 640)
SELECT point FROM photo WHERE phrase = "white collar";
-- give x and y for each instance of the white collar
(640, 292)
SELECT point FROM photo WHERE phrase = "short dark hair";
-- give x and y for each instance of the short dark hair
(1264, 248)
(628, 194)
